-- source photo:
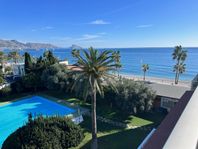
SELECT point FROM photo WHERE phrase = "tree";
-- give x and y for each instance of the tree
(28, 63)
(54, 77)
(145, 68)
(95, 71)
(15, 56)
(3, 58)
(116, 57)
(31, 81)
(180, 56)
(1, 77)
(75, 53)
(49, 58)
(181, 68)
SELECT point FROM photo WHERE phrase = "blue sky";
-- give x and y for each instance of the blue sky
(101, 23)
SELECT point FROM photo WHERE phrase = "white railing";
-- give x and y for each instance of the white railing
(146, 139)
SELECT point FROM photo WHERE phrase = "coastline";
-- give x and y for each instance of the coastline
(158, 80)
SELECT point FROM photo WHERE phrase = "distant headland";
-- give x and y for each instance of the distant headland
(14, 44)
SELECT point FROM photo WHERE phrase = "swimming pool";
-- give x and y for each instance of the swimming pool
(15, 114)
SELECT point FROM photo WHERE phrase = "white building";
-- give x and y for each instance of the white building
(18, 69)
(64, 62)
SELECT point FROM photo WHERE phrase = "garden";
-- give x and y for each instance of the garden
(119, 100)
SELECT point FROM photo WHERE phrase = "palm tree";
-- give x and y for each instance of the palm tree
(145, 68)
(116, 57)
(181, 68)
(95, 72)
(180, 56)
(75, 53)
(15, 56)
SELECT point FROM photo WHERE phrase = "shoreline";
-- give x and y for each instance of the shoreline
(158, 80)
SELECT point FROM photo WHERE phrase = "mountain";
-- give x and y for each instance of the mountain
(14, 44)
(76, 47)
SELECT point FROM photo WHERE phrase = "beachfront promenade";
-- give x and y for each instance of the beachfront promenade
(158, 80)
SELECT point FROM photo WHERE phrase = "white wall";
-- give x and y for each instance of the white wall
(185, 132)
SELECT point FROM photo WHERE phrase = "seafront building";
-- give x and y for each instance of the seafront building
(167, 95)
(179, 128)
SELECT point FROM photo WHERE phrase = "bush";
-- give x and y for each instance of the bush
(31, 81)
(18, 87)
(1, 80)
(46, 133)
(55, 77)
(8, 70)
(131, 96)
(5, 91)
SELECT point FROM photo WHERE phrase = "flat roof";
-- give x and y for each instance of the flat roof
(171, 91)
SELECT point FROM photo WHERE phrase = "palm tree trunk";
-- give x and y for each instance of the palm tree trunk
(94, 144)
(176, 75)
(144, 75)
(177, 78)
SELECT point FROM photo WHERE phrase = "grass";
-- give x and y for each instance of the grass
(109, 136)
(112, 137)
(136, 121)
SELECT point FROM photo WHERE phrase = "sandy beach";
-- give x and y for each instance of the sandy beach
(158, 80)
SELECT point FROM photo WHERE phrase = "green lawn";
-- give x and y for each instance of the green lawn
(109, 137)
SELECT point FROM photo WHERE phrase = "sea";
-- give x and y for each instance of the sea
(159, 60)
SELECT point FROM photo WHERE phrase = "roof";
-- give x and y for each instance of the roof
(73, 67)
(171, 91)
(161, 135)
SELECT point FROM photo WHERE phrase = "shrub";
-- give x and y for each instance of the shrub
(8, 70)
(55, 77)
(1, 80)
(46, 133)
(31, 81)
(5, 91)
(131, 96)
(18, 87)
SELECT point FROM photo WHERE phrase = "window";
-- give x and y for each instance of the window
(168, 103)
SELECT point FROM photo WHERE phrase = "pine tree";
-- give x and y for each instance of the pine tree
(28, 63)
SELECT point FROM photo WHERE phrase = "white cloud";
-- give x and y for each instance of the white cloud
(89, 37)
(102, 33)
(99, 22)
(64, 38)
(144, 26)
(42, 28)
(47, 28)
(84, 40)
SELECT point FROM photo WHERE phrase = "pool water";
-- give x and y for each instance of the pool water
(15, 114)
